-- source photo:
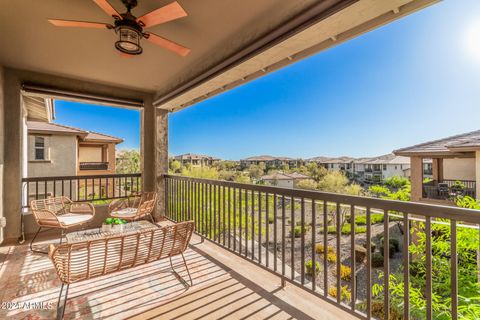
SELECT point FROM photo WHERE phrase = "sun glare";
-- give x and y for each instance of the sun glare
(473, 40)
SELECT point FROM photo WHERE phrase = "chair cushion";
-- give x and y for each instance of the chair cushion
(73, 218)
(124, 213)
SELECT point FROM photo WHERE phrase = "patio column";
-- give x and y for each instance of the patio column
(12, 160)
(416, 178)
(155, 153)
(437, 169)
(477, 174)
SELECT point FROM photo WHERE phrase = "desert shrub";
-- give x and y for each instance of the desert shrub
(374, 219)
(309, 267)
(345, 294)
(377, 260)
(345, 272)
(271, 218)
(347, 229)
(331, 257)
(297, 231)
(320, 248)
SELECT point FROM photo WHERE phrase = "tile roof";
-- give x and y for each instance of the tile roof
(38, 126)
(284, 176)
(469, 139)
(389, 159)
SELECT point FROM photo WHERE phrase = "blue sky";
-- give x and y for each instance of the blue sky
(411, 81)
(117, 122)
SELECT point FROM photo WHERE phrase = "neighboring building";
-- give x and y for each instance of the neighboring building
(195, 160)
(55, 150)
(284, 180)
(455, 158)
(58, 150)
(339, 163)
(269, 161)
(383, 167)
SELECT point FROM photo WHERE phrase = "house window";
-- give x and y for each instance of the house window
(39, 148)
(384, 167)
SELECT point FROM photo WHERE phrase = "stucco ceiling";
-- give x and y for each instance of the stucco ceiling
(213, 30)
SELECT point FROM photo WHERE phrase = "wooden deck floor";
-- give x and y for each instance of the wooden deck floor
(225, 287)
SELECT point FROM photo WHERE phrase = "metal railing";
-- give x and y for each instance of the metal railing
(449, 189)
(93, 165)
(313, 240)
(81, 188)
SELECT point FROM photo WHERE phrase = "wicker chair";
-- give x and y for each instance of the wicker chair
(75, 262)
(60, 213)
(134, 207)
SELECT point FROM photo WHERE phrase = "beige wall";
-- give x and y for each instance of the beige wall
(459, 168)
(280, 183)
(62, 157)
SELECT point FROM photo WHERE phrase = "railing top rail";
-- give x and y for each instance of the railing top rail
(431, 210)
(122, 175)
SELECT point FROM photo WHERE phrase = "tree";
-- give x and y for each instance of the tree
(175, 166)
(396, 182)
(307, 184)
(255, 171)
(128, 161)
(333, 181)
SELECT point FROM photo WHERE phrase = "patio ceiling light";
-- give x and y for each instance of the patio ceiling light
(129, 28)
(128, 40)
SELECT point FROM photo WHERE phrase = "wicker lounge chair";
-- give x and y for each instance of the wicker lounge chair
(134, 207)
(78, 261)
(60, 213)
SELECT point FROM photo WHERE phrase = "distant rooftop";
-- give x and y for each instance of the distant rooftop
(285, 176)
(466, 142)
(87, 136)
(267, 158)
(193, 156)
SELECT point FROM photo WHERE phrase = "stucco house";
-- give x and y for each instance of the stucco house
(455, 167)
(269, 161)
(195, 160)
(55, 150)
(284, 180)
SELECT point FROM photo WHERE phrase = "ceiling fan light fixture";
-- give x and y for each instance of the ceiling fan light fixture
(128, 40)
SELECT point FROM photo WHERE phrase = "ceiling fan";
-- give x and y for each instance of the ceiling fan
(130, 28)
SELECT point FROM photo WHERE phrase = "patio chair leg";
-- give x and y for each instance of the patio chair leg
(188, 271)
(184, 262)
(61, 310)
(33, 239)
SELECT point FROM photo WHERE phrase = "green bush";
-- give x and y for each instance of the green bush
(377, 260)
(394, 245)
(271, 218)
(397, 182)
(297, 231)
(309, 267)
(347, 229)
(374, 219)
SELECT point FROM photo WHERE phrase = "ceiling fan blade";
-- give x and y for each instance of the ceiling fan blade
(167, 44)
(169, 12)
(81, 24)
(107, 7)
